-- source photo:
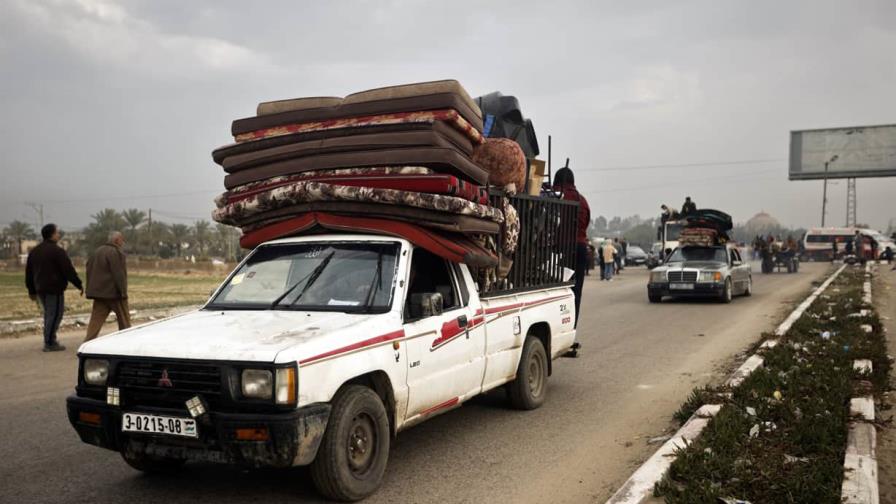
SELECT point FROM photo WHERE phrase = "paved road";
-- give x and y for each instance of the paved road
(639, 363)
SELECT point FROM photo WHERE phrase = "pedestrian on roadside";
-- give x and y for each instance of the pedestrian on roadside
(834, 251)
(859, 246)
(849, 244)
(601, 265)
(590, 264)
(887, 255)
(48, 272)
(619, 255)
(609, 255)
(107, 285)
(565, 184)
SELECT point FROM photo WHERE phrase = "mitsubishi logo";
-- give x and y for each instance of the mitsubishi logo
(164, 381)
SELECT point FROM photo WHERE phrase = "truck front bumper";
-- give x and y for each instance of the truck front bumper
(701, 289)
(293, 437)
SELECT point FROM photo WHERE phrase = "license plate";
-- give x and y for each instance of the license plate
(681, 286)
(156, 424)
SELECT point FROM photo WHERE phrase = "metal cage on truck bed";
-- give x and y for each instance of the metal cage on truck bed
(547, 244)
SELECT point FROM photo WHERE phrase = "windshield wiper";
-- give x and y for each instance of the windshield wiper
(310, 277)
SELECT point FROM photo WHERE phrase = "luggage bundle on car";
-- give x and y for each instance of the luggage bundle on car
(408, 160)
(705, 228)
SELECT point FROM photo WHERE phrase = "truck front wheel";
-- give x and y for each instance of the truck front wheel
(529, 389)
(355, 449)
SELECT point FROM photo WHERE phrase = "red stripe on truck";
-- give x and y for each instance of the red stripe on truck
(385, 338)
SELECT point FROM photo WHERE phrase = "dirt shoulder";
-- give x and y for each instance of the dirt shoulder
(884, 295)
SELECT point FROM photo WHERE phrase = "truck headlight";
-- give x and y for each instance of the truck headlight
(657, 276)
(96, 371)
(286, 385)
(257, 383)
(710, 276)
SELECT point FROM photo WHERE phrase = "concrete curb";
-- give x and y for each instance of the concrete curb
(639, 486)
(860, 484)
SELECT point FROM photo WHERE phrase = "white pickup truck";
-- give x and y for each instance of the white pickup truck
(317, 350)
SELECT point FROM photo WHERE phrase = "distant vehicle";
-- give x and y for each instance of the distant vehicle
(654, 257)
(695, 271)
(817, 243)
(635, 256)
(668, 236)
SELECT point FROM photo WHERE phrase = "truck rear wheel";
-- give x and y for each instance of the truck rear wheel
(529, 389)
(353, 454)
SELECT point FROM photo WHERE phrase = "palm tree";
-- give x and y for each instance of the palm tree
(201, 232)
(108, 219)
(134, 217)
(180, 233)
(19, 231)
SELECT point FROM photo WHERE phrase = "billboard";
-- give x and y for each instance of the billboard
(864, 151)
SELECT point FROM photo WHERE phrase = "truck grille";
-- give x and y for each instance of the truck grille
(154, 383)
(682, 276)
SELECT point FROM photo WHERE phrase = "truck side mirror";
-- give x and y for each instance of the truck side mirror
(427, 304)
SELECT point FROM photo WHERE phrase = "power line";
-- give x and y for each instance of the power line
(683, 165)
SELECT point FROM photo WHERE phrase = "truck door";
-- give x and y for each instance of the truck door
(442, 350)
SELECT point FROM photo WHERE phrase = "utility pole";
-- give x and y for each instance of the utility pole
(39, 208)
(149, 232)
(824, 197)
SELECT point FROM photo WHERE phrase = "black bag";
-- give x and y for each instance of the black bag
(502, 118)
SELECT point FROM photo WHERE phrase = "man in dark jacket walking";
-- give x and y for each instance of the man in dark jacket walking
(565, 184)
(47, 273)
(107, 285)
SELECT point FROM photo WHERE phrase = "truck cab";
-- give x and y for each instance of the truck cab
(317, 351)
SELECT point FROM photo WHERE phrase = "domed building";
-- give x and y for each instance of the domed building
(762, 224)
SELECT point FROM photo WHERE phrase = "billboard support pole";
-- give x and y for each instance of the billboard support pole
(851, 205)
(824, 194)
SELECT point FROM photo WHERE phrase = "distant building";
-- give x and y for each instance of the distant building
(762, 224)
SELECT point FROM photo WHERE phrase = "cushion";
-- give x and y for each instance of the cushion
(504, 161)
(417, 89)
(439, 158)
(420, 216)
(308, 191)
(434, 184)
(458, 139)
(455, 248)
(439, 101)
(277, 106)
(390, 140)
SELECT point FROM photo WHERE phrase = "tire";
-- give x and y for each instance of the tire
(151, 464)
(529, 389)
(748, 290)
(654, 298)
(353, 454)
(727, 294)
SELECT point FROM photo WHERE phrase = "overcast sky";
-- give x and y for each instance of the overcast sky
(119, 104)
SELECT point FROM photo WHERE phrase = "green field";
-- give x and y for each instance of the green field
(147, 290)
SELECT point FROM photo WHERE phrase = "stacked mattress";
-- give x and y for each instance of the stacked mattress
(397, 160)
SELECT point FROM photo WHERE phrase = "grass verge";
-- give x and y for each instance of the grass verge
(148, 290)
(781, 436)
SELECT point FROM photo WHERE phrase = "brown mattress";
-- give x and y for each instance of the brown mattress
(459, 140)
(383, 93)
(442, 159)
(422, 217)
(436, 101)
(438, 135)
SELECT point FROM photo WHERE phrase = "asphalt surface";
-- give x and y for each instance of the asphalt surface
(638, 364)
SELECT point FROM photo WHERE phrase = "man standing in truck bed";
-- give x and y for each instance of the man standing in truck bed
(565, 184)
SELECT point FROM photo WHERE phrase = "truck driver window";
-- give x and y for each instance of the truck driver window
(429, 274)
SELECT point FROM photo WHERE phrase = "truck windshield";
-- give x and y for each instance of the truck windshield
(673, 230)
(332, 276)
(682, 254)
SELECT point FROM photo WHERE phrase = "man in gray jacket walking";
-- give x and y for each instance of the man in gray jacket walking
(107, 285)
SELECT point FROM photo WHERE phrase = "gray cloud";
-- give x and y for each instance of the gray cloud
(119, 103)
